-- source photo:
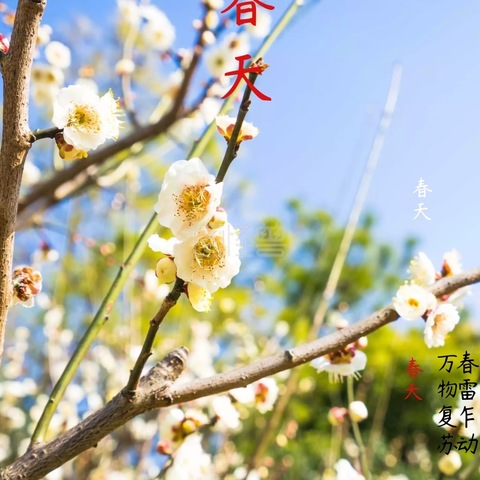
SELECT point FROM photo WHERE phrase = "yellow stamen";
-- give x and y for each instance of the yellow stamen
(209, 253)
(84, 118)
(192, 203)
(413, 302)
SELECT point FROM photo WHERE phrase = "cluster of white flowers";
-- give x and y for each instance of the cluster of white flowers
(413, 300)
(48, 76)
(345, 471)
(221, 59)
(151, 24)
(205, 249)
(87, 120)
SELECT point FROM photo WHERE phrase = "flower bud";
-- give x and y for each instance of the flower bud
(164, 447)
(449, 464)
(26, 284)
(166, 270)
(362, 342)
(4, 45)
(219, 219)
(336, 416)
(208, 38)
(188, 426)
(125, 66)
(211, 19)
(357, 411)
(67, 151)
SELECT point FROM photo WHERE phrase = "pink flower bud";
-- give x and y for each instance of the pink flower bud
(4, 44)
(336, 415)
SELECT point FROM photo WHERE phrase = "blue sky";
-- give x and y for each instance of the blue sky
(329, 77)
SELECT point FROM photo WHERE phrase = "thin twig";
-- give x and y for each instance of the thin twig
(357, 434)
(47, 133)
(168, 303)
(232, 148)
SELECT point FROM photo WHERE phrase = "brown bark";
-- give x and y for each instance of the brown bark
(16, 68)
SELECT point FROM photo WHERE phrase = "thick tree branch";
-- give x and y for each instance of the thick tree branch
(157, 389)
(294, 357)
(42, 459)
(16, 67)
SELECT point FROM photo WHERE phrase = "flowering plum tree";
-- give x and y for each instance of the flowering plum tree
(105, 154)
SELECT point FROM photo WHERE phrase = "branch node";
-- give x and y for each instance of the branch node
(290, 355)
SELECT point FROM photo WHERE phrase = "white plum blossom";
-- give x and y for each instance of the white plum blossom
(58, 55)
(159, 244)
(345, 471)
(263, 24)
(210, 259)
(440, 322)
(221, 59)
(188, 199)
(473, 408)
(227, 414)
(451, 463)
(43, 34)
(262, 394)
(412, 301)
(158, 32)
(226, 124)
(130, 14)
(422, 270)
(87, 119)
(451, 263)
(266, 393)
(343, 363)
(46, 83)
(244, 395)
(191, 462)
(176, 425)
(209, 109)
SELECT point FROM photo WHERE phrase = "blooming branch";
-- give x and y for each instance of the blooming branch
(157, 389)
